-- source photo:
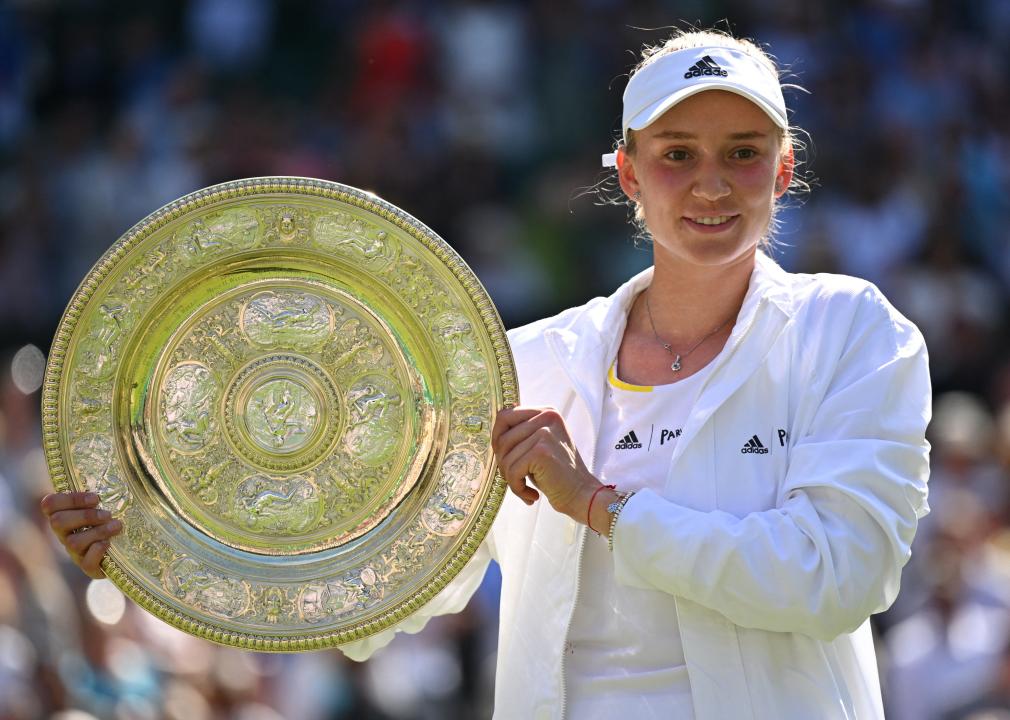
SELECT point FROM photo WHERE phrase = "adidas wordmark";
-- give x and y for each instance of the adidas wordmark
(754, 446)
(628, 442)
(705, 66)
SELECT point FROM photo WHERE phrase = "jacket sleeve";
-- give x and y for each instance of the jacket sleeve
(452, 599)
(830, 553)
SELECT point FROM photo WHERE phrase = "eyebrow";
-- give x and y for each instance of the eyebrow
(679, 135)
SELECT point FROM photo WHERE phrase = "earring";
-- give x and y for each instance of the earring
(637, 196)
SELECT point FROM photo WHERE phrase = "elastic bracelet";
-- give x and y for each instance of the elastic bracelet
(614, 509)
(589, 512)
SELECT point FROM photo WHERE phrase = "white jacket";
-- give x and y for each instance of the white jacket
(776, 559)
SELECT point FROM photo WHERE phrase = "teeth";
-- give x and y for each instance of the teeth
(719, 220)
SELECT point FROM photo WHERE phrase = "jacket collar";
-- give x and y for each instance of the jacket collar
(598, 330)
(587, 345)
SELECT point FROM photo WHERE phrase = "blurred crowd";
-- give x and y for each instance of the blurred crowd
(486, 119)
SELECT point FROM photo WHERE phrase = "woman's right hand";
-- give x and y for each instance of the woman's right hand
(83, 528)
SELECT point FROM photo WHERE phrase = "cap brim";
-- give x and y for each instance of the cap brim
(653, 112)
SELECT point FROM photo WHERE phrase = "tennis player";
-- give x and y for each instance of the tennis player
(720, 471)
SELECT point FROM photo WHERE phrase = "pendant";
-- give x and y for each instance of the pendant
(676, 364)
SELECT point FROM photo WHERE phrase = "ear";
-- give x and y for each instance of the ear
(626, 173)
(784, 176)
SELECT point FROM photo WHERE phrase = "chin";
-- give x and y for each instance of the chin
(710, 252)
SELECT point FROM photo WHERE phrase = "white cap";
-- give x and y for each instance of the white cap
(666, 81)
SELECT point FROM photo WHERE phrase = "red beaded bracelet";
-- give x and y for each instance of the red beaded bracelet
(589, 512)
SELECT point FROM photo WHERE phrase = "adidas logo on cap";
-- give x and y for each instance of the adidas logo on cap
(628, 442)
(705, 66)
(754, 446)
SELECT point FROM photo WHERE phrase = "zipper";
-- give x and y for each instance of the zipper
(580, 393)
(578, 589)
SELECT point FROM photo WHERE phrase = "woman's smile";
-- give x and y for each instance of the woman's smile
(711, 223)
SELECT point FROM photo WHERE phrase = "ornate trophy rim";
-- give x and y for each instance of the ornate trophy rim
(501, 364)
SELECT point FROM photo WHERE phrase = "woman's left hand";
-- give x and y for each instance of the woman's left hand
(534, 443)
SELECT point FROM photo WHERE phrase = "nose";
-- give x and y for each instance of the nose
(710, 183)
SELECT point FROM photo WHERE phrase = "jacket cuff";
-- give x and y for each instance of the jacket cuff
(635, 536)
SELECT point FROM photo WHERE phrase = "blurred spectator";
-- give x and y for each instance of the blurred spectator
(230, 35)
(877, 199)
(958, 307)
(486, 70)
(994, 703)
(948, 652)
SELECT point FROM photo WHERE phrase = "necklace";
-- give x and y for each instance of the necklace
(677, 357)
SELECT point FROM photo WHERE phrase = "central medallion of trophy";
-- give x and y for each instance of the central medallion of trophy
(280, 415)
(283, 420)
(282, 411)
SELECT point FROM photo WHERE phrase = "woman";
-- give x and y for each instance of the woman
(747, 445)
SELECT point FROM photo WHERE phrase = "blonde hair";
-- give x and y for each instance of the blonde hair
(691, 38)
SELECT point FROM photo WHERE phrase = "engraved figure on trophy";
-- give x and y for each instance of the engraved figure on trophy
(280, 415)
(286, 318)
(94, 458)
(288, 226)
(343, 233)
(99, 350)
(89, 401)
(204, 481)
(217, 334)
(202, 589)
(470, 424)
(466, 367)
(370, 587)
(187, 398)
(273, 600)
(375, 411)
(458, 485)
(146, 279)
(278, 506)
(200, 239)
(229, 230)
(353, 345)
(324, 601)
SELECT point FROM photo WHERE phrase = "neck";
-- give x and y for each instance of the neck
(688, 301)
